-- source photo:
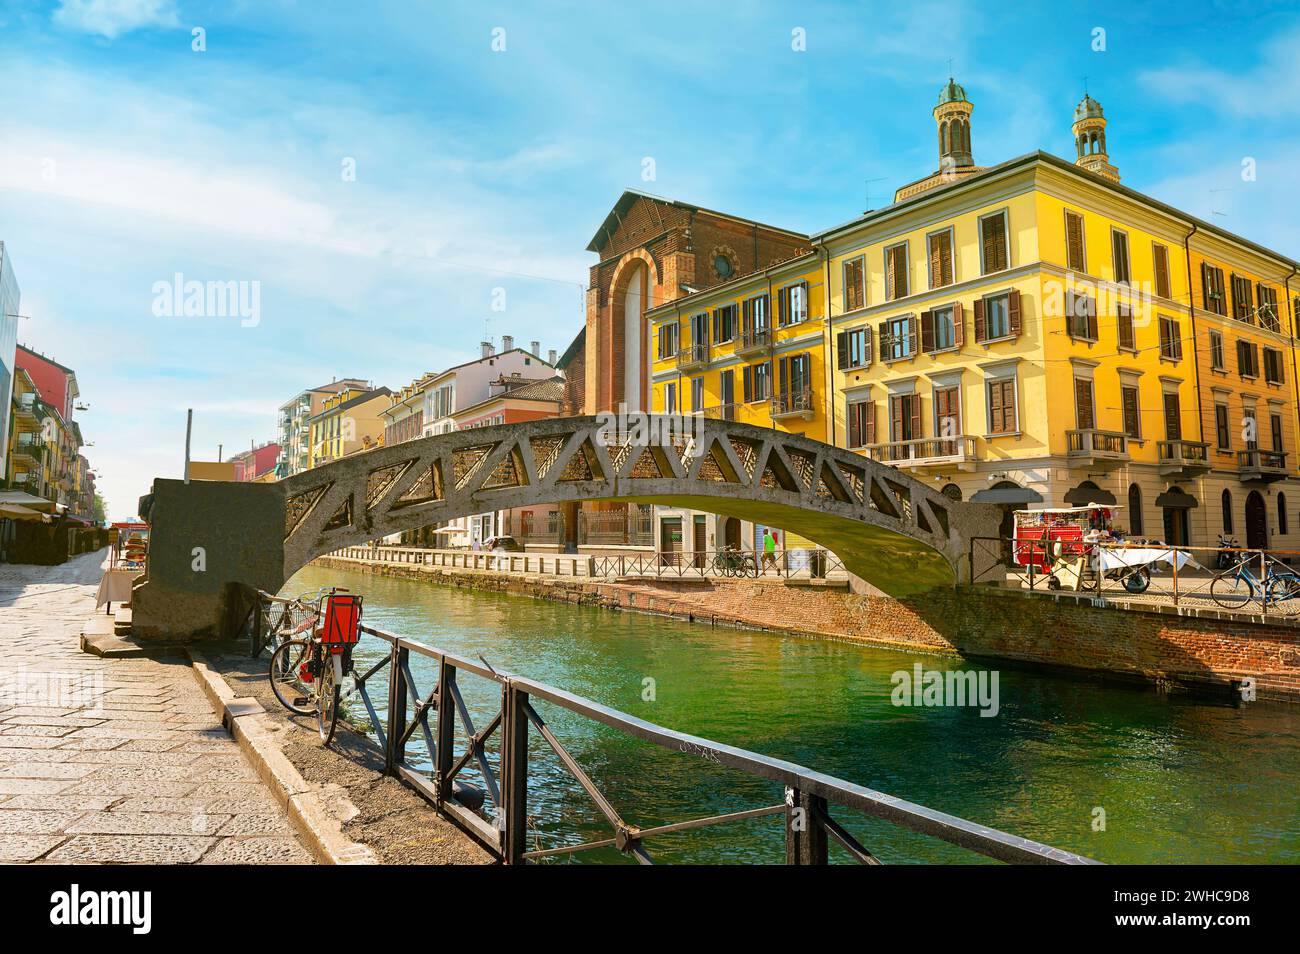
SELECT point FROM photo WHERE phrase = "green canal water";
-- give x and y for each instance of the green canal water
(1180, 781)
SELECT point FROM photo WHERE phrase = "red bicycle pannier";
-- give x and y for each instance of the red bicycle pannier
(342, 621)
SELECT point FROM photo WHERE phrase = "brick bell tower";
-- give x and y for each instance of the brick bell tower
(1090, 139)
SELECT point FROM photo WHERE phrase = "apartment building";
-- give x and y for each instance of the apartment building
(294, 432)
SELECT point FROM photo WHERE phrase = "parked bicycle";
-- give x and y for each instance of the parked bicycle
(1241, 585)
(282, 620)
(1227, 557)
(734, 562)
(307, 673)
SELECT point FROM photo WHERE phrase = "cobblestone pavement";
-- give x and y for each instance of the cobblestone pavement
(115, 760)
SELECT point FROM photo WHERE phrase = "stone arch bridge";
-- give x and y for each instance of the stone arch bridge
(889, 529)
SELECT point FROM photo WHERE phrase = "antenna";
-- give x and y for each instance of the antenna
(867, 183)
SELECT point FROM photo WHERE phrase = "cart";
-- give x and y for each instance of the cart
(1059, 543)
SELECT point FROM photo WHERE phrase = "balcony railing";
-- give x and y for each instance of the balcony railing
(1093, 446)
(925, 450)
(1183, 457)
(793, 404)
(693, 356)
(721, 412)
(1260, 464)
(754, 340)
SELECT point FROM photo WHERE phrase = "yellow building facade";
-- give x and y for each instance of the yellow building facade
(1028, 334)
(349, 421)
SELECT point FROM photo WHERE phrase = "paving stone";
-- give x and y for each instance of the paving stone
(60, 802)
(33, 786)
(128, 849)
(257, 851)
(24, 822)
(124, 786)
(261, 823)
(148, 823)
(259, 803)
(28, 741)
(24, 848)
(67, 770)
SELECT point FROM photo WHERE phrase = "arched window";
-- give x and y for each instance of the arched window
(1281, 512)
(1135, 527)
(1227, 512)
(952, 492)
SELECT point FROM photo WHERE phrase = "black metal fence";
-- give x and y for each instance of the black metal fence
(439, 717)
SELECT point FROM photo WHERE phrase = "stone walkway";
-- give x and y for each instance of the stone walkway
(115, 760)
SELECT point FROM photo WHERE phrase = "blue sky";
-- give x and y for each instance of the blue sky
(127, 157)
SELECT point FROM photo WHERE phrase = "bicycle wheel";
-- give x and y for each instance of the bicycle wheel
(288, 664)
(1231, 591)
(327, 712)
(1137, 581)
(1284, 595)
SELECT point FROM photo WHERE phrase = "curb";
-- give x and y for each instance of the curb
(309, 812)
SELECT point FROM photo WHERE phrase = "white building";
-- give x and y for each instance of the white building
(9, 298)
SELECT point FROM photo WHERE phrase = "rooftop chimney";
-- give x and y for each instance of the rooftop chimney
(550, 357)
(507, 342)
(488, 350)
(536, 349)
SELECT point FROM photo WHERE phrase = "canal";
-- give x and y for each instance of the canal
(1179, 781)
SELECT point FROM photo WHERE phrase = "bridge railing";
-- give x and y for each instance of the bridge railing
(796, 563)
(495, 747)
(1255, 581)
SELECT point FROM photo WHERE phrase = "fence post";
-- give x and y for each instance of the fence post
(1173, 554)
(396, 755)
(514, 773)
(446, 727)
(1263, 584)
(805, 828)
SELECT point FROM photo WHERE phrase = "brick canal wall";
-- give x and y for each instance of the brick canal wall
(1054, 631)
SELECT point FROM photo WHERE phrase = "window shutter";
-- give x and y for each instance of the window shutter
(747, 383)
(958, 326)
(1132, 420)
(1205, 286)
(855, 438)
(1091, 304)
(1013, 312)
(914, 402)
(871, 422)
(1173, 417)
(927, 331)
(1083, 403)
(1124, 326)
(868, 346)
(891, 288)
(1074, 241)
(979, 320)
(896, 418)
(995, 243)
(995, 406)
(842, 350)
(1160, 256)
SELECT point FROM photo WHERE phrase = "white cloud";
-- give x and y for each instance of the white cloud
(1268, 91)
(111, 18)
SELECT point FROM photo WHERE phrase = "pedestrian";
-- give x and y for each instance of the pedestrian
(769, 550)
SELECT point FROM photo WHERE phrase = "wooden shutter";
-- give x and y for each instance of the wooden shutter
(1173, 417)
(1132, 419)
(958, 325)
(1013, 312)
(995, 406)
(1205, 286)
(870, 422)
(940, 259)
(980, 331)
(716, 326)
(1074, 241)
(947, 408)
(914, 403)
(995, 243)
(852, 414)
(1124, 322)
(1221, 426)
(891, 289)
(927, 331)
(1091, 304)
(1083, 403)
(896, 414)
(842, 350)
(868, 346)
(747, 383)
(1160, 257)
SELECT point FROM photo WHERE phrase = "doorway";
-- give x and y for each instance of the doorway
(670, 540)
(730, 533)
(1256, 521)
(699, 539)
(1176, 526)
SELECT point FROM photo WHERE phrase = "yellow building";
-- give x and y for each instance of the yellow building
(349, 421)
(1032, 333)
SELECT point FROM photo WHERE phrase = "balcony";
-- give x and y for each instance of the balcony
(956, 452)
(1183, 458)
(721, 412)
(693, 357)
(791, 404)
(1263, 465)
(1091, 447)
(754, 341)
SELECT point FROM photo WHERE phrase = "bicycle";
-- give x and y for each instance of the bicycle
(282, 619)
(1240, 586)
(307, 673)
(734, 563)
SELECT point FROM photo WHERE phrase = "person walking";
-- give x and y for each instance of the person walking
(769, 550)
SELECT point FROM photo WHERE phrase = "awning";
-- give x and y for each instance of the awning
(19, 498)
(1083, 496)
(15, 512)
(1176, 498)
(1007, 495)
(451, 530)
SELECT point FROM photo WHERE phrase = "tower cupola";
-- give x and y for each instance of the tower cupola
(1090, 139)
(952, 116)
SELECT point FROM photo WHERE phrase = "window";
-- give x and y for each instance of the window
(670, 399)
(1173, 417)
(997, 316)
(1273, 366)
(1247, 359)
(861, 417)
(1212, 289)
(754, 314)
(722, 265)
(993, 242)
(1119, 256)
(940, 253)
(1243, 302)
(941, 329)
(1124, 328)
(1080, 316)
(727, 394)
(1128, 399)
(1216, 352)
(1075, 252)
(700, 334)
(1083, 405)
(1171, 339)
(1281, 512)
(794, 304)
(756, 382)
(1268, 317)
(853, 348)
(795, 375)
(1275, 429)
(897, 338)
(1002, 406)
(896, 271)
(697, 394)
(724, 324)
(1135, 510)
(1222, 433)
(1249, 427)
(1160, 264)
(905, 417)
(669, 337)
(1225, 503)
(947, 414)
(855, 284)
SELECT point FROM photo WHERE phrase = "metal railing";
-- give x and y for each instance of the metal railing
(924, 450)
(442, 724)
(1258, 459)
(1089, 441)
(796, 563)
(754, 339)
(786, 403)
(1243, 580)
(551, 564)
(694, 354)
